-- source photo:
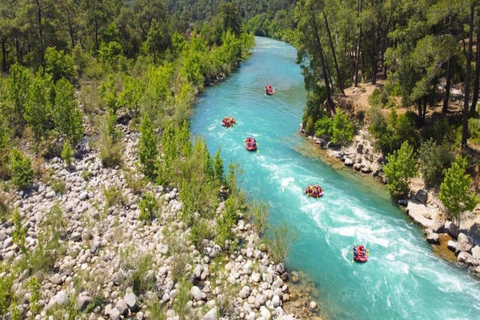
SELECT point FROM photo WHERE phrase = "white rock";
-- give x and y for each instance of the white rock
(50, 195)
(244, 292)
(83, 196)
(131, 300)
(276, 301)
(211, 315)
(196, 293)
(265, 313)
(313, 305)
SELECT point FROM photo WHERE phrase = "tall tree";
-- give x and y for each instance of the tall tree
(468, 55)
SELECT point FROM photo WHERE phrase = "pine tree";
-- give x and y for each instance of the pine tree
(400, 169)
(68, 118)
(454, 192)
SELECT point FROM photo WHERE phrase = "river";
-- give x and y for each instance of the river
(403, 279)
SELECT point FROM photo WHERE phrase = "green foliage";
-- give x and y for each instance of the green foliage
(474, 130)
(148, 207)
(433, 160)
(50, 247)
(16, 95)
(108, 92)
(148, 150)
(218, 167)
(67, 153)
(140, 280)
(110, 53)
(20, 233)
(340, 128)
(68, 117)
(454, 191)
(400, 169)
(281, 241)
(20, 169)
(6, 282)
(38, 107)
(226, 222)
(111, 150)
(59, 64)
(34, 287)
(380, 98)
(113, 196)
(260, 215)
(182, 298)
(133, 89)
(391, 132)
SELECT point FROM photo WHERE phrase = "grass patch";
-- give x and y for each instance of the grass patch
(113, 196)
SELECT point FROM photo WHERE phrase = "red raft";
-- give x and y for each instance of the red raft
(251, 144)
(314, 191)
(269, 90)
(360, 254)
(228, 122)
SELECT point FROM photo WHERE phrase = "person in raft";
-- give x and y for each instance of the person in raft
(355, 254)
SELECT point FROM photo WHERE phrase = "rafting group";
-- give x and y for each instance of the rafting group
(269, 90)
(228, 122)
(251, 144)
(314, 191)
(360, 254)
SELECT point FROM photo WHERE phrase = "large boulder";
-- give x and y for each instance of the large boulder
(196, 293)
(348, 162)
(433, 238)
(464, 257)
(463, 244)
(451, 229)
(452, 245)
(476, 252)
(82, 301)
(421, 196)
(122, 307)
(131, 301)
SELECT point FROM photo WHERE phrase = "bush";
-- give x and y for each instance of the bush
(67, 153)
(259, 213)
(20, 169)
(474, 130)
(226, 222)
(148, 150)
(391, 132)
(20, 233)
(113, 196)
(68, 117)
(454, 191)
(110, 150)
(59, 64)
(148, 207)
(140, 280)
(433, 160)
(134, 182)
(340, 129)
(400, 169)
(58, 186)
(281, 241)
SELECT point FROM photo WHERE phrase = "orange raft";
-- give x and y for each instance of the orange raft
(251, 144)
(360, 254)
(228, 122)
(269, 90)
(314, 191)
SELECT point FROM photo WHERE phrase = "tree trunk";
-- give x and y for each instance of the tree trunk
(476, 82)
(339, 77)
(39, 18)
(4, 56)
(374, 57)
(357, 54)
(447, 86)
(71, 31)
(330, 105)
(467, 78)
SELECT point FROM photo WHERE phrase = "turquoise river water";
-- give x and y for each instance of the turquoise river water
(403, 279)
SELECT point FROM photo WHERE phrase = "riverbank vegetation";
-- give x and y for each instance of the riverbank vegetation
(77, 76)
(422, 60)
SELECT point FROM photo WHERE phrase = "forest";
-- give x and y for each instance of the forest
(76, 71)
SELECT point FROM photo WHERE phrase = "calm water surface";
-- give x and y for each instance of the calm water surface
(403, 278)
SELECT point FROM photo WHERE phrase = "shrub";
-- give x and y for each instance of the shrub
(433, 160)
(474, 130)
(281, 241)
(113, 196)
(20, 169)
(226, 222)
(148, 149)
(59, 64)
(140, 280)
(182, 299)
(391, 132)
(148, 207)
(20, 233)
(134, 182)
(260, 214)
(6, 282)
(34, 287)
(400, 169)
(454, 191)
(67, 153)
(201, 230)
(4, 209)
(110, 151)
(67, 116)
(58, 186)
(339, 129)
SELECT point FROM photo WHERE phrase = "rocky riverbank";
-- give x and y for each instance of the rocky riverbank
(422, 205)
(78, 234)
